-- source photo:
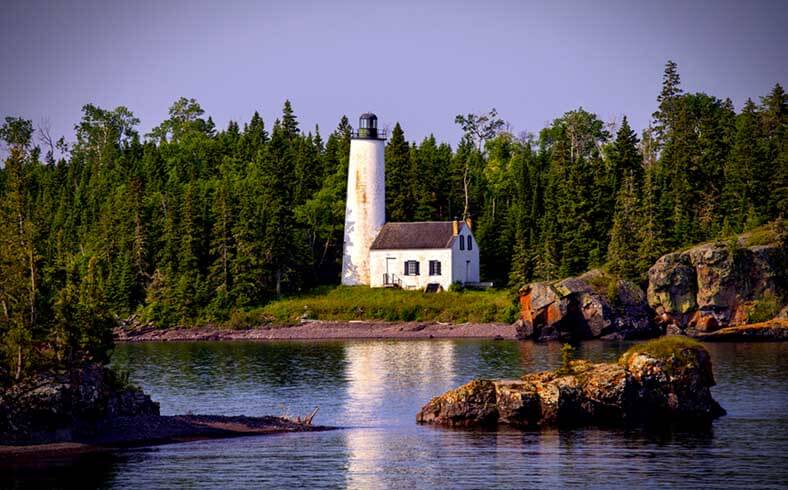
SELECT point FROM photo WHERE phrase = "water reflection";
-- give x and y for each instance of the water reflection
(373, 373)
(236, 378)
(86, 471)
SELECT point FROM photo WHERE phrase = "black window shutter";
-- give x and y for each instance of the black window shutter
(417, 268)
(406, 268)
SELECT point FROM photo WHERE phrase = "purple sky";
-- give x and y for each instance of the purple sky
(416, 62)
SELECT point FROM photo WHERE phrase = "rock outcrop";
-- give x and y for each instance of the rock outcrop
(54, 406)
(712, 286)
(593, 305)
(667, 380)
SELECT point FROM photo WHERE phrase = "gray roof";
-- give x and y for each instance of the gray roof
(422, 234)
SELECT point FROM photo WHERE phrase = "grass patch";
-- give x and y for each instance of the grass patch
(599, 280)
(765, 308)
(662, 348)
(603, 283)
(767, 234)
(363, 303)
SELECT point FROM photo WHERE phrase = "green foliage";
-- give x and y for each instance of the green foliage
(568, 353)
(766, 308)
(768, 234)
(363, 303)
(399, 177)
(623, 249)
(197, 224)
(663, 348)
(119, 379)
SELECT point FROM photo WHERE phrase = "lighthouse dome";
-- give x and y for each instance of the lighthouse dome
(368, 126)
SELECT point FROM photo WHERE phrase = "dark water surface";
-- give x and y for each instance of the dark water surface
(374, 388)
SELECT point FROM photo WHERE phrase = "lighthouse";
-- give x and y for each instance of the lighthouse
(365, 209)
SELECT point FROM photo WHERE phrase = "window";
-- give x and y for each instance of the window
(462, 242)
(435, 267)
(470, 243)
(411, 267)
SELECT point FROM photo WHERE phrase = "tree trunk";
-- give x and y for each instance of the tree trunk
(325, 252)
(18, 361)
(32, 286)
(465, 189)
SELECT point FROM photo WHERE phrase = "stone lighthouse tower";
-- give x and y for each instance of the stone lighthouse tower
(365, 210)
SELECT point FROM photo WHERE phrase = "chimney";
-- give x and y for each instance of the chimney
(455, 227)
(469, 222)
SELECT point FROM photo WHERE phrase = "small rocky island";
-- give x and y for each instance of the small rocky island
(661, 381)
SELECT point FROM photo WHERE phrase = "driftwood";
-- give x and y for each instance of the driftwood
(303, 420)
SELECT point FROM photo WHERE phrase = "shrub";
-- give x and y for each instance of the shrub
(119, 378)
(567, 356)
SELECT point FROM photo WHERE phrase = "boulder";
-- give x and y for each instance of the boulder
(657, 382)
(52, 406)
(470, 405)
(590, 306)
(674, 383)
(714, 285)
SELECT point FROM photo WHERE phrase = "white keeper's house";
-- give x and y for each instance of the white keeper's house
(418, 255)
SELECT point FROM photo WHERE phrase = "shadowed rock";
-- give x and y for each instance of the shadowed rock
(89, 408)
(594, 305)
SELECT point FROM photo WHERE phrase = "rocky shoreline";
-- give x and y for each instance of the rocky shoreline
(712, 291)
(151, 430)
(91, 408)
(323, 330)
(771, 331)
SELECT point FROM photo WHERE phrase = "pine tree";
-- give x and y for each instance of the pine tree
(740, 186)
(622, 252)
(399, 192)
(651, 232)
(289, 122)
(280, 251)
(624, 158)
(121, 284)
(772, 174)
(323, 215)
(426, 179)
(222, 246)
(671, 90)
(253, 139)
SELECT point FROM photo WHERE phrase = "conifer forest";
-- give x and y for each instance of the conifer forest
(192, 222)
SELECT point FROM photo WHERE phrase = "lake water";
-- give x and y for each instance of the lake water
(373, 389)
